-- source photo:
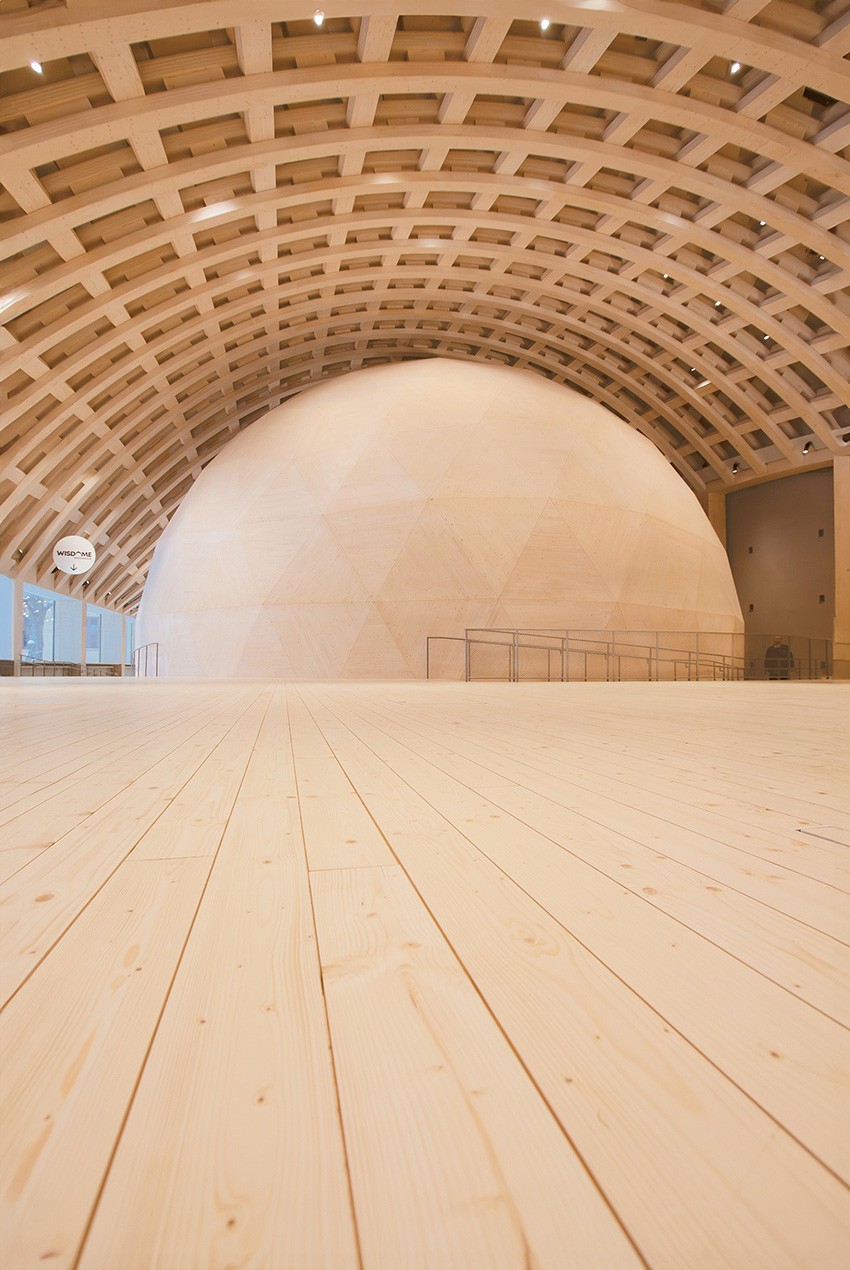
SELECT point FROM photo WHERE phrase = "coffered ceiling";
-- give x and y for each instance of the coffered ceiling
(209, 206)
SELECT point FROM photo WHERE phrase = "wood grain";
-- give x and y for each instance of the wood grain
(232, 1153)
(363, 976)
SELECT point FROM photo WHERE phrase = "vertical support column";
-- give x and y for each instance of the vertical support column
(17, 623)
(83, 616)
(717, 514)
(841, 628)
(124, 644)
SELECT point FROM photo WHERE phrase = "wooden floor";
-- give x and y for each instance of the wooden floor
(412, 976)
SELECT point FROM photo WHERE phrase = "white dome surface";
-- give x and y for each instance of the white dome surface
(420, 498)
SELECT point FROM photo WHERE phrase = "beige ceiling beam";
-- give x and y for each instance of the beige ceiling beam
(586, 49)
(186, 105)
(112, 404)
(225, 336)
(110, 254)
(254, 47)
(469, 321)
(836, 37)
(485, 38)
(503, 279)
(329, 355)
(522, 229)
(58, 32)
(514, 144)
(119, 71)
(680, 67)
(375, 37)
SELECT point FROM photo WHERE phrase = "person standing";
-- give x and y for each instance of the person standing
(778, 659)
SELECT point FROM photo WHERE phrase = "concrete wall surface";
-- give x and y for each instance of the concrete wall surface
(780, 540)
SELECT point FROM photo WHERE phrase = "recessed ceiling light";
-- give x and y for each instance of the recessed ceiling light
(318, 17)
(717, 304)
(544, 24)
(765, 337)
(666, 277)
(761, 222)
(735, 67)
(37, 67)
(821, 257)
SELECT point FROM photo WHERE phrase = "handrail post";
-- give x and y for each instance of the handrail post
(697, 656)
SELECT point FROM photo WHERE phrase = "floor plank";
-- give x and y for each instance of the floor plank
(232, 1154)
(586, 1037)
(74, 1040)
(407, 976)
(40, 901)
(790, 951)
(70, 802)
(470, 1168)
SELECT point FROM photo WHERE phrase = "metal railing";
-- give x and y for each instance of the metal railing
(514, 655)
(442, 658)
(146, 661)
(35, 668)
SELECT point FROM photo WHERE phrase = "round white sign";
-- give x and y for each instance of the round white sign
(74, 554)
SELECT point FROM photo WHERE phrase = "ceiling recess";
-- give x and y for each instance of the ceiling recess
(205, 209)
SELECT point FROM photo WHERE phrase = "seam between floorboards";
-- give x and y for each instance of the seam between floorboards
(837, 1176)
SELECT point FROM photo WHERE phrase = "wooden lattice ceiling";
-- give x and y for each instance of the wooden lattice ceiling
(209, 205)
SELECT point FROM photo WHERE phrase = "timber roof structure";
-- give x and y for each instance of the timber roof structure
(208, 206)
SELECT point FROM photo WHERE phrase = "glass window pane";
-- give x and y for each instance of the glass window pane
(39, 612)
(92, 637)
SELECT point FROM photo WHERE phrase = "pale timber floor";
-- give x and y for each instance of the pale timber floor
(412, 976)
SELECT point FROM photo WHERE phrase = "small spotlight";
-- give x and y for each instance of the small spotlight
(821, 257)
(666, 277)
(37, 67)
(765, 337)
(734, 68)
(318, 17)
(735, 467)
(717, 304)
(544, 24)
(807, 447)
(761, 222)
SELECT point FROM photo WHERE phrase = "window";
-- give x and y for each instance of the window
(103, 636)
(92, 637)
(39, 623)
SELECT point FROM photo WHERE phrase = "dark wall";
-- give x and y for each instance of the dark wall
(780, 540)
